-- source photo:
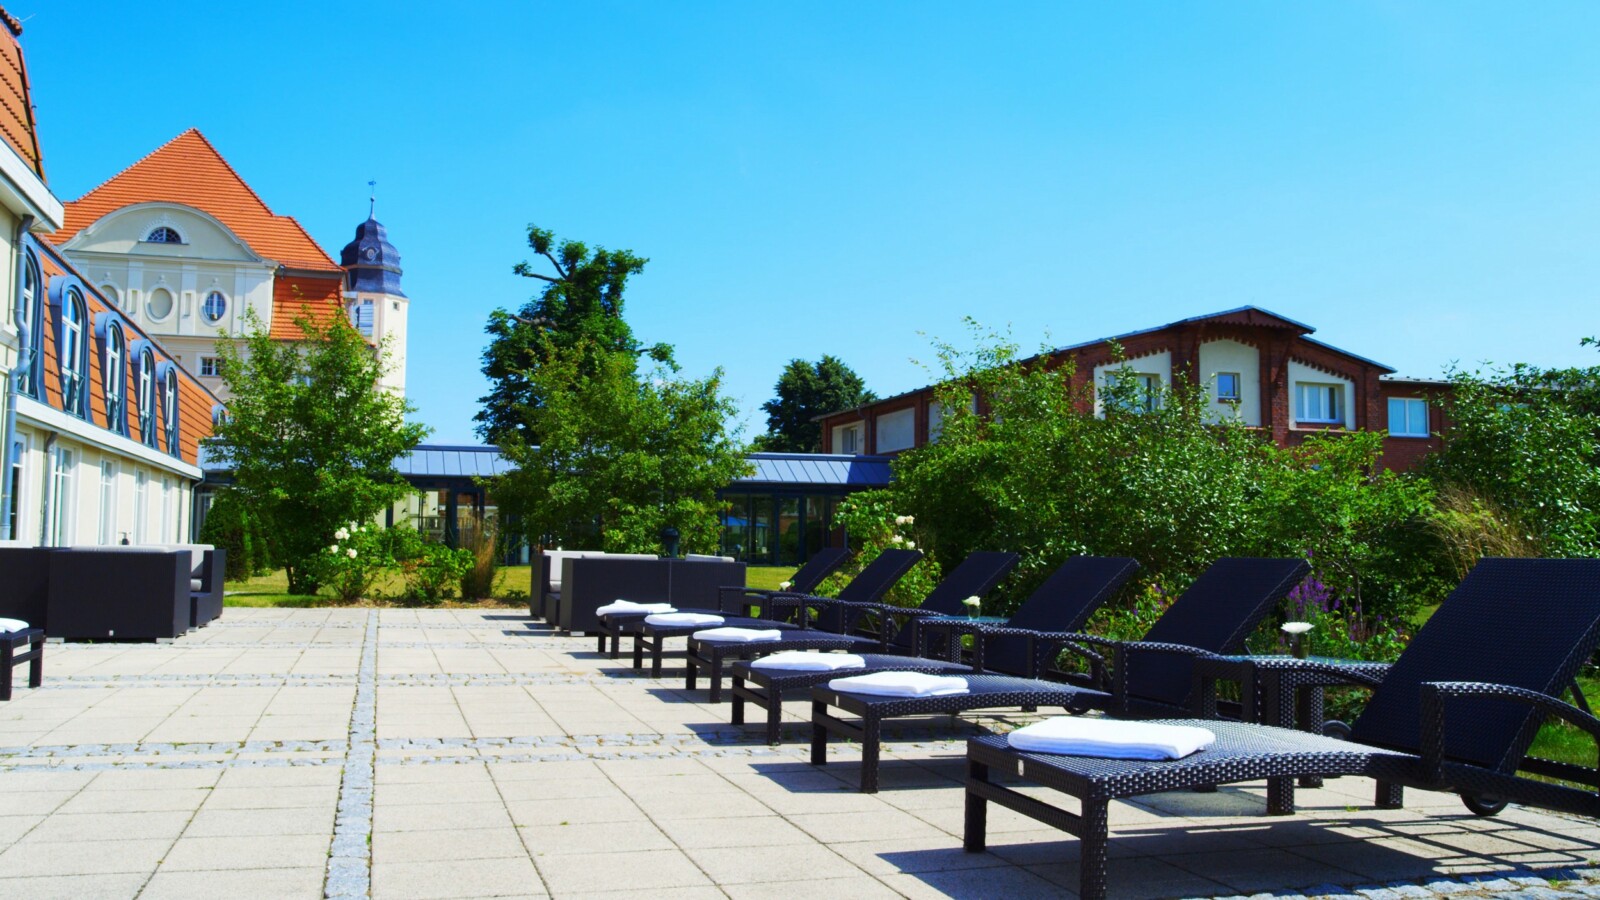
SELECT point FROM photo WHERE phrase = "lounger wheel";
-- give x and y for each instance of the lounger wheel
(1483, 805)
(1336, 729)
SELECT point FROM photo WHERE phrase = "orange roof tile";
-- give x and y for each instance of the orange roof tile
(297, 297)
(17, 125)
(190, 171)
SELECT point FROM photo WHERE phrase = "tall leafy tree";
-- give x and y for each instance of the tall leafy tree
(581, 303)
(311, 437)
(605, 456)
(804, 391)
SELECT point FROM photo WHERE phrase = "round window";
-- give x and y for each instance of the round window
(215, 307)
(160, 305)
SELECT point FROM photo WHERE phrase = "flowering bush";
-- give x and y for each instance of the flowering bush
(353, 560)
(873, 528)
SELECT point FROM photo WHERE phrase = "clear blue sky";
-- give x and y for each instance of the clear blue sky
(1419, 181)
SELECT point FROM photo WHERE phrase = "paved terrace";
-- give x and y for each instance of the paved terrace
(288, 753)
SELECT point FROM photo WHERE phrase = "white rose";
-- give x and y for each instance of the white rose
(334, 549)
(351, 553)
(896, 539)
(900, 520)
(1296, 628)
(342, 535)
(910, 545)
(911, 520)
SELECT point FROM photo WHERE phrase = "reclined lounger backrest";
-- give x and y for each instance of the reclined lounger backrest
(818, 567)
(870, 584)
(976, 576)
(1528, 623)
(1063, 602)
(1218, 611)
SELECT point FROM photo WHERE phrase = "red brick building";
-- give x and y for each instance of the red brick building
(1257, 366)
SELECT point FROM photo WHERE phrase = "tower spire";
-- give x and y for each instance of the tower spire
(372, 199)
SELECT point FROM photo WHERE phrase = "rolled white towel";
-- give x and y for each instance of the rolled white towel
(677, 619)
(630, 607)
(901, 684)
(12, 625)
(801, 661)
(1111, 739)
(741, 635)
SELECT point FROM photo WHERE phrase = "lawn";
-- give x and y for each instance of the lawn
(272, 589)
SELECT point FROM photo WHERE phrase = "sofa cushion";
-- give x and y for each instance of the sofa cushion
(196, 585)
(701, 557)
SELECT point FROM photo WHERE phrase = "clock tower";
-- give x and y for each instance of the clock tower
(373, 298)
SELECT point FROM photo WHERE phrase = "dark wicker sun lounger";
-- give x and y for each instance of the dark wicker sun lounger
(1457, 712)
(869, 586)
(1063, 602)
(739, 599)
(839, 625)
(1154, 677)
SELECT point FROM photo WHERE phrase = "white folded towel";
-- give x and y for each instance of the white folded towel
(1110, 738)
(741, 635)
(901, 684)
(680, 619)
(630, 607)
(13, 625)
(801, 661)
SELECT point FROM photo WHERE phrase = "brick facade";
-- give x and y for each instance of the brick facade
(1287, 363)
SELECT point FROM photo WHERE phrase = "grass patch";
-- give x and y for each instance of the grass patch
(272, 589)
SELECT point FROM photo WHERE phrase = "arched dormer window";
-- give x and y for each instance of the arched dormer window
(114, 372)
(147, 396)
(28, 316)
(163, 234)
(169, 406)
(219, 415)
(72, 345)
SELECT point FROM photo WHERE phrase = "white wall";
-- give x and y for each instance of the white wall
(1301, 373)
(85, 507)
(897, 430)
(1232, 356)
(1158, 364)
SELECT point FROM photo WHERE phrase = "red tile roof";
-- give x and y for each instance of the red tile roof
(17, 126)
(303, 297)
(190, 171)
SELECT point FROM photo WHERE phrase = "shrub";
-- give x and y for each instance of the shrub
(434, 572)
(353, 560)
(230, 526)
(873, 527)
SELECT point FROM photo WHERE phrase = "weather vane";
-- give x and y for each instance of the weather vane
(372, 199)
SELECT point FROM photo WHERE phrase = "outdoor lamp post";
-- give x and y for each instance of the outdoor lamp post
(669, 539)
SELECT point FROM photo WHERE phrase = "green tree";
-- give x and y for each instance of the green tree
(581, 303)
(804, 391)
(1525, 443)
(620, 457)
(311, 437)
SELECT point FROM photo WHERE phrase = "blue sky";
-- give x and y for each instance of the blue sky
(1419, 181)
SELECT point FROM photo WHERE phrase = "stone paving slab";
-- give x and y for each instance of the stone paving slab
(455, 753)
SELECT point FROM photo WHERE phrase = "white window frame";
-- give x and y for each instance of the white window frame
(1238, 387)
(63, 497)
(108, 502)
(213, 363)
(72, 353)
(1331, 393)
(1406, 406)
(115, 377)
(141, 506)
(169, 409)
(29, 317)
(850, 439)
(165, 534)
(1149, 387)
(205, 307)
(16, 470)
(147, 397)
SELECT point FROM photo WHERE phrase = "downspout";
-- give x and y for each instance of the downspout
(13, 384)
